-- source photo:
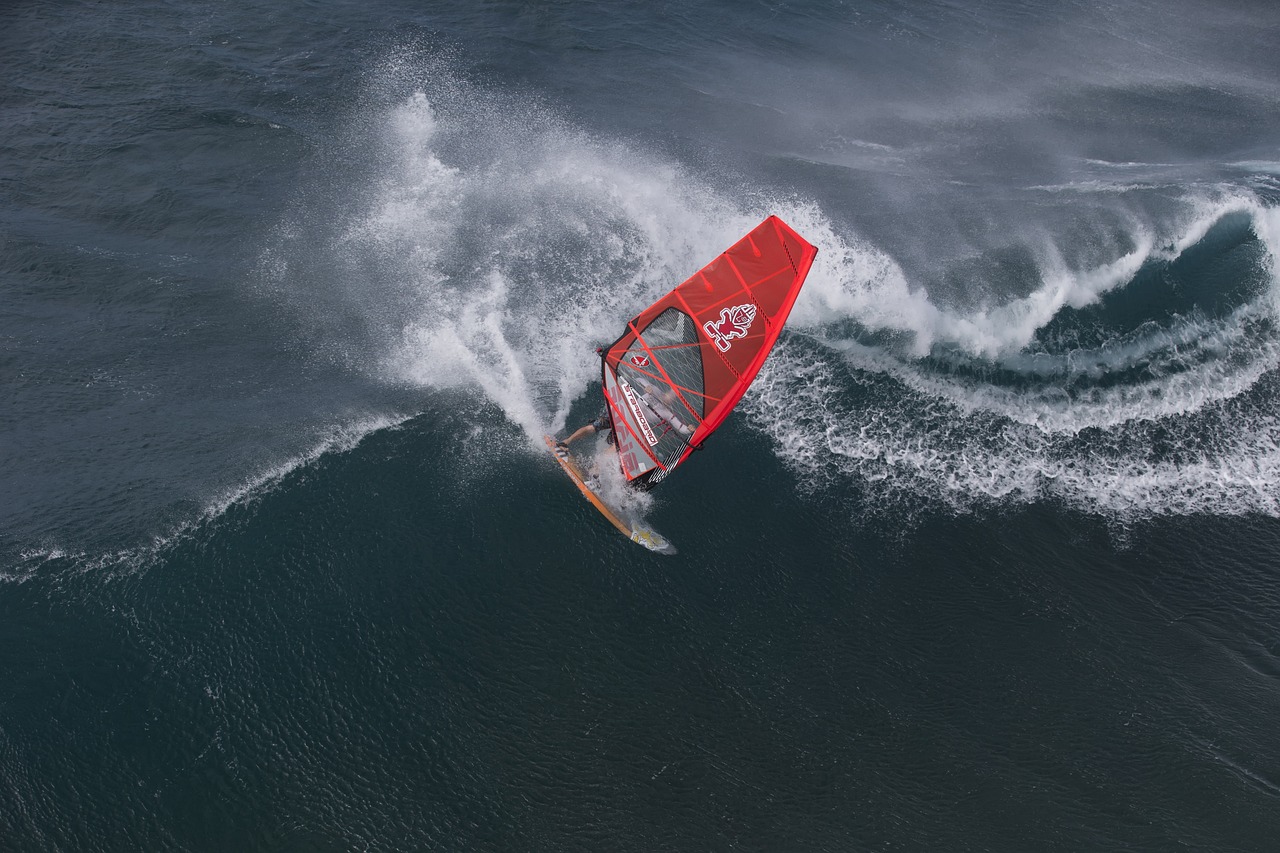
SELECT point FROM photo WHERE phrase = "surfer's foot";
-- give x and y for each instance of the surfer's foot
(562, 449)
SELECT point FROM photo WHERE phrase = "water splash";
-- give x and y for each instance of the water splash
(512, 244)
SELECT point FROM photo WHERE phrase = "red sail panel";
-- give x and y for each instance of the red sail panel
(685, 361)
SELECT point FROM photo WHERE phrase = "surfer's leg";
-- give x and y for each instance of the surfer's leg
(589, 429)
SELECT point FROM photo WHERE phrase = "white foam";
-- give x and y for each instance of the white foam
(853, 280)
(337, 438)
(564, 236)
(936, 436)
(589, 233)
(1185, 369)
(1206, 212)
(611, 485)
(912, 451)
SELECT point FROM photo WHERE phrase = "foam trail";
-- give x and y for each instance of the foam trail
(1183, 370)
(1266, 224)
(910, 451)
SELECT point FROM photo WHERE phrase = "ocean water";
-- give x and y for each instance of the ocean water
(988, 559)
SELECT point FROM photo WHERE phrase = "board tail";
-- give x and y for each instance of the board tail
(634, 530)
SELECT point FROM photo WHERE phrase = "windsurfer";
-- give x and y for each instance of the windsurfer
(662, 401)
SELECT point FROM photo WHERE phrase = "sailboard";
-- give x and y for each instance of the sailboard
(634, 530)
(682, 364)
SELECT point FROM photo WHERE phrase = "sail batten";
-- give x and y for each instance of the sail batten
(684, 362)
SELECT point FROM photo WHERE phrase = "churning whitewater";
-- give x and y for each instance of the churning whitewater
(498, 246)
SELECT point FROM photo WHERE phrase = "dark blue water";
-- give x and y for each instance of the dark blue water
(988, 559)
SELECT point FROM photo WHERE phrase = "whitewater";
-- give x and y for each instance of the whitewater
(505, 245)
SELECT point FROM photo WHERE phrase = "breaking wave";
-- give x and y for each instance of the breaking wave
(1165, 412)
(496, 245)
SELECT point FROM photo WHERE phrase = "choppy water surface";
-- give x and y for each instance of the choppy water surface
(987, 559)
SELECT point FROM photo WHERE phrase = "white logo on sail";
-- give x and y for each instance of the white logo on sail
(733, 323)
(629, 395)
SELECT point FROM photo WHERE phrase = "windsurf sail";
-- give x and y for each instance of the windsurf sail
(685, 361)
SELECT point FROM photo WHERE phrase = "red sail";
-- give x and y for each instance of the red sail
(685, 361)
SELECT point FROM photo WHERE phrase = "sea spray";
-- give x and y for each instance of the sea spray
(515, 243)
